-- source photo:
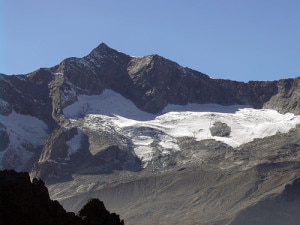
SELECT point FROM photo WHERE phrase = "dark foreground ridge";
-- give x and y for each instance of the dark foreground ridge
(28, 203)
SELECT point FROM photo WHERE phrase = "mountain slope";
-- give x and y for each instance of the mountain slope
(214, 192)
(150, 82)
(131, 121)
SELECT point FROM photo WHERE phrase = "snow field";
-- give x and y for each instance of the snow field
(23, 130)
(116, 114)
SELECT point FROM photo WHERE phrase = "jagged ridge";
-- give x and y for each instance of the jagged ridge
(28, 203)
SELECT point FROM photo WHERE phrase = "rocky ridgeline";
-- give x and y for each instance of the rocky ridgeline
(28, 203)
(151, 82)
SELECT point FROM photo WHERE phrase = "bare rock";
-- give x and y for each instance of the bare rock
(220, 129)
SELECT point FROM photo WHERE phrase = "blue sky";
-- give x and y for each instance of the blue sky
(231, 39)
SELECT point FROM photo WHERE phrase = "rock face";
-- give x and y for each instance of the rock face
(58, 162)
(28, 203)
(287, 97)
(27, 94)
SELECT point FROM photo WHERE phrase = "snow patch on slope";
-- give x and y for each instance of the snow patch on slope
(25, 132)
(114, 113)
(3, 103)
(246, 123)
(109, 103)
(74, 144)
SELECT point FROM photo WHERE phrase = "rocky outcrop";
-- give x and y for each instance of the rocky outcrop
(49, 165)
(28, 94)
(220, 129)
(94, 212)
(28, 203)
(287, 98)
(91, 153)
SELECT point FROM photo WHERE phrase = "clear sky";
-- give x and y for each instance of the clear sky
(231, 39)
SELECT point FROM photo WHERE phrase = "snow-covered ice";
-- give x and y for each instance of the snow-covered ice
(75, 143)
(109, 103)
(118, 114)
(23, 130)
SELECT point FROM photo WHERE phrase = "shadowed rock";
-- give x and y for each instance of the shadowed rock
(94, 212)
(28, 203)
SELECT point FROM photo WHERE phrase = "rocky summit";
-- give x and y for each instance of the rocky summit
(157, 142)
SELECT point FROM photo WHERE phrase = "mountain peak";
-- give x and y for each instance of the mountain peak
(102, 46)
(102, 49)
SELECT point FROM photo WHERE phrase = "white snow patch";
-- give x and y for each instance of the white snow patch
(142, 149)
(246, 123)
(109, 103)
(74, 144)
(168, 143)
(3, 103)
(23, 130)
(142, 140)
(144, 153)
(113, 113)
